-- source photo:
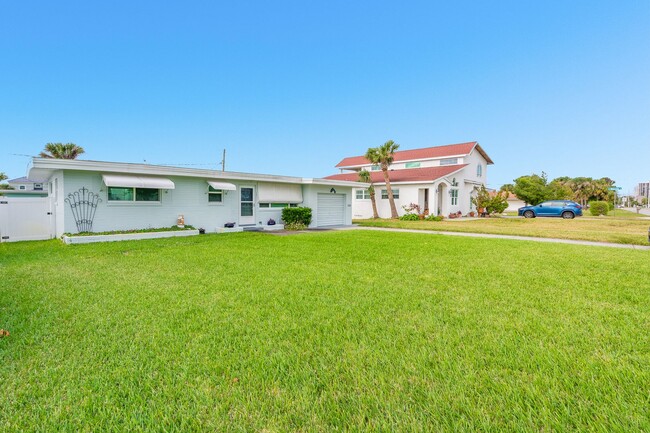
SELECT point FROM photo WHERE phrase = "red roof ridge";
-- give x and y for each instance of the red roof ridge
(447, 150)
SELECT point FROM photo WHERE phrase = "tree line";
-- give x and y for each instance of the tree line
(534, 189)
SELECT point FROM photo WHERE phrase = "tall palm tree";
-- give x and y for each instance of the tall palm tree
(2, 176)
(583, 190)
(383, 155)
(365, 177)
(61, 151)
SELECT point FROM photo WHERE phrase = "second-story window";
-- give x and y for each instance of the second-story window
(449, 161)
(375, 168)
(384, 194)
(479, 170)
(412, 165)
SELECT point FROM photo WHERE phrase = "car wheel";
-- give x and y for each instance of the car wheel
(568, 215)
(529, 214)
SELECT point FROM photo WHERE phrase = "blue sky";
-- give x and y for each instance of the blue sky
(293, 87)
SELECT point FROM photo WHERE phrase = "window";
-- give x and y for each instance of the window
(384, 194)
(449, 161)
(479, 170)
(215, 195)
(21, 187)
(38, 187)
(412, 165)
(278, 205)
(118, 193)
(375, 168)
(362, 194)
(454, 196)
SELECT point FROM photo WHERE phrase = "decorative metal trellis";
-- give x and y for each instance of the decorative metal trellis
(83, 204)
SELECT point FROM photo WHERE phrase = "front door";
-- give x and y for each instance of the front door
(246, 206)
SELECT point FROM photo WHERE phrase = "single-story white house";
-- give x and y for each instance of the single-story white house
(514, 203)
(441, 180)
(25, 187)
(108, 196)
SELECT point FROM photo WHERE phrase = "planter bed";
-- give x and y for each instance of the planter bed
(127, 236)
(273, 227)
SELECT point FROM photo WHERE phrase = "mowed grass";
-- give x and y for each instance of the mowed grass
(633, 231)
(332, 331)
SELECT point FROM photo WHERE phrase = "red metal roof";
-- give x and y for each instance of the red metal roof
(425, 174)
(427, 152)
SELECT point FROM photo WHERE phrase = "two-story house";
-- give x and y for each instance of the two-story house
(441, 179)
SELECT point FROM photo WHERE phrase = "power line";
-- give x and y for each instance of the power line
(178, 165)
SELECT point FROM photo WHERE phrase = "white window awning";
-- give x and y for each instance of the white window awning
(279, 193)
(129, 181)
(222, 185)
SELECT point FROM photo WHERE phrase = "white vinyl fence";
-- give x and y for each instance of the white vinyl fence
(25, 219)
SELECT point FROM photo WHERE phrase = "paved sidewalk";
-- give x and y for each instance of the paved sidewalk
(517, 238)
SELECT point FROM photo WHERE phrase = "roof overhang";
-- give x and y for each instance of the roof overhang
(44, 168)
(480, 150)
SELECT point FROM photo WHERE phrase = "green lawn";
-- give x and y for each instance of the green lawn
(619, 213)
(330, 331)
(632, 231)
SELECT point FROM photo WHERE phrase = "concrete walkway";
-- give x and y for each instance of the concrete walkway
(491, 236)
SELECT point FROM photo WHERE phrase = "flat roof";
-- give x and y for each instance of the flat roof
(44, 167)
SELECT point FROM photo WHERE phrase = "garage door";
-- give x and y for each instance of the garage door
(331, 210)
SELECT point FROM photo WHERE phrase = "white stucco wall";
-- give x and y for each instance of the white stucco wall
(189, 198)
(423, 163)
(514, 205)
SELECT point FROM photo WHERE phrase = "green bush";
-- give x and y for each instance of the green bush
(409, 217)
(598, 208)
(300, 215)
(295, 226)
(434, 218)
(610, 205)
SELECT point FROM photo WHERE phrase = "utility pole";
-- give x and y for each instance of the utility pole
(223, 161)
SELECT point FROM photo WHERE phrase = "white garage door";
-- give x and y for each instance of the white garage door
(331, 210)
(25, 219)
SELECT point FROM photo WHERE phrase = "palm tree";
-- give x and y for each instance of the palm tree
(383, 155)
(2, 176)
(583, 189)
(365, 177)
(62, 151)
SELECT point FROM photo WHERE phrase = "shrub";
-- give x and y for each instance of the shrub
(610, 205)
(409, 217)
(435, 218)
(598, 208)
(300, 215)
(295, 226)
(491, 203)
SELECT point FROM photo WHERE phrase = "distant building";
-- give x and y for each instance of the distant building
(24, 187)
(641, 191)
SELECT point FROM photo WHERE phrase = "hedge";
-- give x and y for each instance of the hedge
(598, 208)
(299, 215)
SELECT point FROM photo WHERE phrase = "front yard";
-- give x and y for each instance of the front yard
(624, 230)
(350, 330)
